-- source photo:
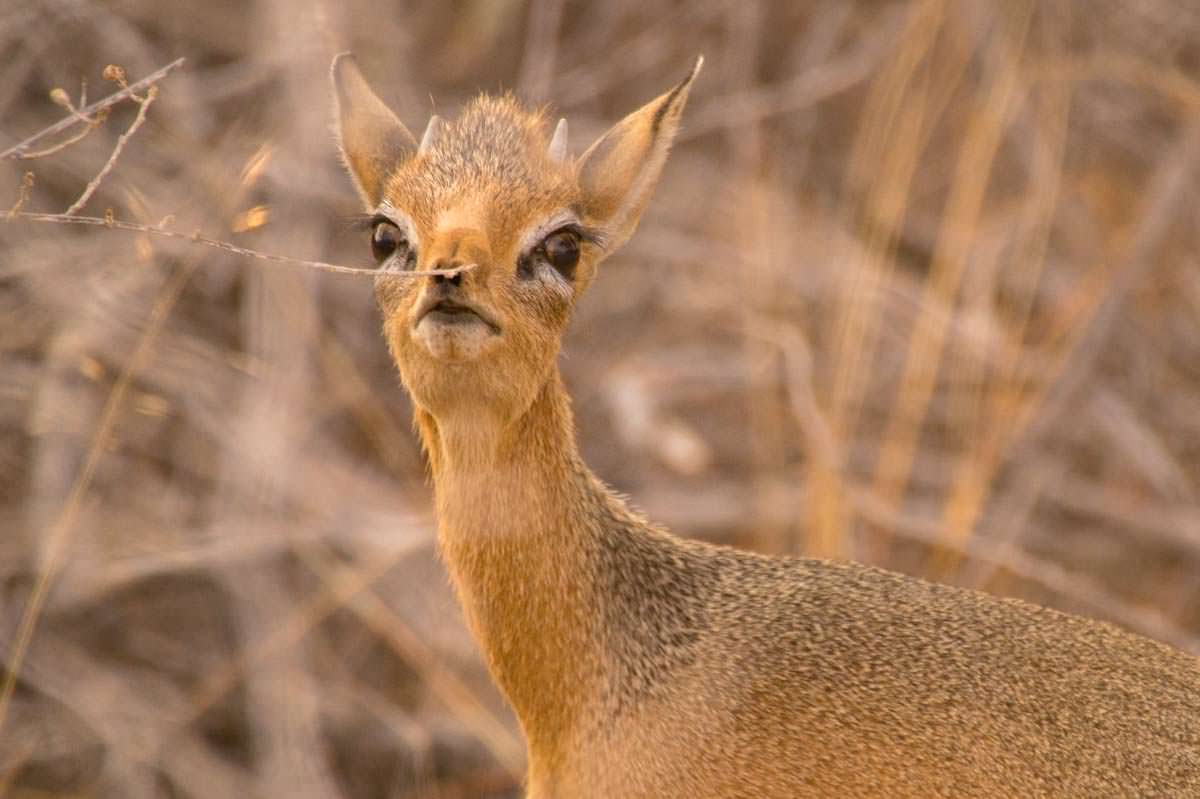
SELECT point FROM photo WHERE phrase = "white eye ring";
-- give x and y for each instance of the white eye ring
(386, 213)
(535, 235)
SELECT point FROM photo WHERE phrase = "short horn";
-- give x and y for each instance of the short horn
(432, 131)
(558, 143)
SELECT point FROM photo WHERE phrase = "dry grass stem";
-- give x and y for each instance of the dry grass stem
(917, 287)
(59, 535)
(23, 191)
(197, 238)
(446, 686)
(90, 113)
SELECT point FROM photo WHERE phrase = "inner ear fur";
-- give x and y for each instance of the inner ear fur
(618, 172)
(371, 139)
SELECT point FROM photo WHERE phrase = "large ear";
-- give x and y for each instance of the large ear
(618, 173)
(372, 140)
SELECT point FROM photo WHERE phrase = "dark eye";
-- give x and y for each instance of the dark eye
(386, 241)
(561, 250)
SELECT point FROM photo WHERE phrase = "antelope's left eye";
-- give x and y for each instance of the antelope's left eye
(387, 240)
(561, 250)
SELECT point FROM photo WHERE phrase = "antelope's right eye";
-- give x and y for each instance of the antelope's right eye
(388, 240)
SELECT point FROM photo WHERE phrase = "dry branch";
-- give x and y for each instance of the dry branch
(94, 183)
(90, 123)
(81, 115)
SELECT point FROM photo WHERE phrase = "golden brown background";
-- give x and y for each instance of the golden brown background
(919, 287)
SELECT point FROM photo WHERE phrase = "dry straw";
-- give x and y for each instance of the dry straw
(862, 199)
(91, 117)
(197, 238)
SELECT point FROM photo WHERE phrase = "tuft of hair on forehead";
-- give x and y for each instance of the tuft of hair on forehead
(501, 123)
(496, 145)
(494, 138)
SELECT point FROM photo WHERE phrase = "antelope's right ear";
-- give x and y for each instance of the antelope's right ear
(372, 140)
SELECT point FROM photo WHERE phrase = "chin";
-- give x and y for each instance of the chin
(455, 341)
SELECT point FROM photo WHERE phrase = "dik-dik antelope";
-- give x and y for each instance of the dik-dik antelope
(644, 665)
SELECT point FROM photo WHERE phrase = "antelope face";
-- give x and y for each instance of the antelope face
(493, 196)
(483, 196)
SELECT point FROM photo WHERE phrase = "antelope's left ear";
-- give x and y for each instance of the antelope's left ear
(372, 140)
(618, 173)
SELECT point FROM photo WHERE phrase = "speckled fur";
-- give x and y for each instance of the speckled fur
(644, 665)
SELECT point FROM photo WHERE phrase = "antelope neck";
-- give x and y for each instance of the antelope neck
(513, 503)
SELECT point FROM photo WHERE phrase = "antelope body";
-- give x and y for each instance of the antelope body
(644, 665)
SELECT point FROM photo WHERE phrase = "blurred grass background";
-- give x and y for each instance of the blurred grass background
(919, 287)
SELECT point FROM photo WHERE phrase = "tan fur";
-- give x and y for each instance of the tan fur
(643, 665)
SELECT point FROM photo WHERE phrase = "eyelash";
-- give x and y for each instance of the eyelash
(362, 222)
(585, 235)
(525, 263)
(367, 223)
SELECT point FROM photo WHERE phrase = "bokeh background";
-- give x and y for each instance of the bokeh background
(919, 287)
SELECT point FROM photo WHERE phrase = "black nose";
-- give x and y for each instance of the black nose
(446, 264)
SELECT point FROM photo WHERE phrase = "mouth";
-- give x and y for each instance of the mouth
(452, 312)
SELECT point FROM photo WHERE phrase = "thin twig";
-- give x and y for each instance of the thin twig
(233, 248)
(17, 150)
(59, 97)
(22, 194)
(124, 138)
(65, 143)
